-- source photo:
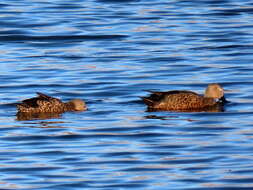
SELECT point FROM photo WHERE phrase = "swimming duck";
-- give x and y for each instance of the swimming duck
(177, 100)
(44, 103)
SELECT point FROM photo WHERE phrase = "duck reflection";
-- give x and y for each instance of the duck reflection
(21, 116)
(215, 108)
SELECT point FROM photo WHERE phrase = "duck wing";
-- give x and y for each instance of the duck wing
(41, 103)
(41, 99)
(31, 102)
(45, 100)
(158, 96)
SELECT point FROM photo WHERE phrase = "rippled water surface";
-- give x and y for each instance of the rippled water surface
(109, 53)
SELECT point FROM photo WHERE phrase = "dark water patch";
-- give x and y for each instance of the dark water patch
(25, 170)
(23, 38)
(226, 34)
(172, 146)
(71, 57)
(8, 155)
(115, 162)
(53, 153)
(192, 180)
(76, 137)
(226, 12)
(225, 187)
(225, 47)
(235, 54)
(165, 59)
(234, 12)
(117, 2)
(4, 4)
(123, 129)
(214, 128)
(148, 18)
(197, 169)
(27, 138)
(133, 154)
(243, 171)
(11, 31)
(64, 185)
(202, 135)
(33, 86)
(67, 6)
(191, 161)
(63, 176)
(145, 169)
(241, 180)
(7, 105)
(123, 185)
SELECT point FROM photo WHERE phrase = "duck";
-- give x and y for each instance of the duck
(47, 104)
(183, 100)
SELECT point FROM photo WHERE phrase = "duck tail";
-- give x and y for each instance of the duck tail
(20, 107)
(148, 101)
(154, 92)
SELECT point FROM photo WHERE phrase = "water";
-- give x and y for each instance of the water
(108, 53)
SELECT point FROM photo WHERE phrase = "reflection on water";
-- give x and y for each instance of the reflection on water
(108, 53)
(35, 116)
(215, 108)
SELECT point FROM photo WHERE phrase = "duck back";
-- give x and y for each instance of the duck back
(41, 103)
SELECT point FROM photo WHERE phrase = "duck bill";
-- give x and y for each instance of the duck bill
(223, 100)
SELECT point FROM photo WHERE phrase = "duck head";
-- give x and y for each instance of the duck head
(78, 105)
(215, 91)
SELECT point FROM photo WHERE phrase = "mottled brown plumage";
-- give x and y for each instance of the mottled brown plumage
(45, 104)
(186, 100)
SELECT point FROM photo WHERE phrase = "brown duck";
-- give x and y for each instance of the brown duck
(186, 100)
(46, 104)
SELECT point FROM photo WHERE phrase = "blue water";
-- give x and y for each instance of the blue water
(109, 53)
